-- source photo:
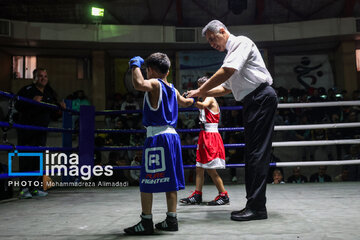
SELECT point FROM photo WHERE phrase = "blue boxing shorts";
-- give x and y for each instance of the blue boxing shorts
(162, 166)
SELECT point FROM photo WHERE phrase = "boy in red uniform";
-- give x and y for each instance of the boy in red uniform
(210, 154)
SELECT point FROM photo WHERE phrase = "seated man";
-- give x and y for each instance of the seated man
(297, 177)
(320, 176)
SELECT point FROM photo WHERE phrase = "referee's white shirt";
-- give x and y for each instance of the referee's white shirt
(243, 56)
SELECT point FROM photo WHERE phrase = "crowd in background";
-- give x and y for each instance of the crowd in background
(233, 118)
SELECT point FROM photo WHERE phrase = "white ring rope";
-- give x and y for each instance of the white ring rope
(319, 104)
(318, 163)
(317, 126)
(315, 143)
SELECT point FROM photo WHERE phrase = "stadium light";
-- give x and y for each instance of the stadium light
(97, 12)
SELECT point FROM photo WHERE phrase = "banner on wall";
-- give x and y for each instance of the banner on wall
(123, 75)
(195, 64)
(303, 71)
(121, 67)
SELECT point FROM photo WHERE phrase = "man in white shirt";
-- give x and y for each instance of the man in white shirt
(245, 75)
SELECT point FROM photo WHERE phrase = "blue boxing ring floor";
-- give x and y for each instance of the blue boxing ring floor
(296, 211)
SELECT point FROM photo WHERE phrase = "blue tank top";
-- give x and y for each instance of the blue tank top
(167, 110)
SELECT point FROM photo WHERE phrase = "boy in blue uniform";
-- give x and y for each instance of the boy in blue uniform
(161, 168)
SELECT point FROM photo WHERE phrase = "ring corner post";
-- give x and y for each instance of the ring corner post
(67, 124)
(67, 136)
(86, 135)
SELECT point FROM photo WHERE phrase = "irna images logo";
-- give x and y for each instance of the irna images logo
(60, 164)
(16, 154)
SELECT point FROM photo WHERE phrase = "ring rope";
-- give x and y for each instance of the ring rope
(316, 126)
(38, 149)
(318, 163)
(44, 104)
(37, 128)
(280, 105)
(119, 112)
(279, 164)
(277, 128)
(116, 148)
(240, 145)
(178, 130)
(316, 143)
(319, 104)
(10, 117)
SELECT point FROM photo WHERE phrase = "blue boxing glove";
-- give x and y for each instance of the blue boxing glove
(136, 62)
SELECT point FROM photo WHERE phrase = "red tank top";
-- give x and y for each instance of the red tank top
(206, 116)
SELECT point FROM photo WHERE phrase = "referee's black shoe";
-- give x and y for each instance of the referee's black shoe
(248, 214)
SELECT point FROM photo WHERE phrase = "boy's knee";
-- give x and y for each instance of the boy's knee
(212, 172)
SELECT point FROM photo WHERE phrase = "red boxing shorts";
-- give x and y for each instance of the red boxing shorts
(210, 151)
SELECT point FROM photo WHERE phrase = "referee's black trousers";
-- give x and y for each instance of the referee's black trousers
(258, 114)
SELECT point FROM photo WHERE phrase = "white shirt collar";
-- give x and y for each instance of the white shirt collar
(229, 41)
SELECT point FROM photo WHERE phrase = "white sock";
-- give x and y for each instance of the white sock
(144, 216)
(171, 214)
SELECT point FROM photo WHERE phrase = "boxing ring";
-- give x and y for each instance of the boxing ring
(296, 211)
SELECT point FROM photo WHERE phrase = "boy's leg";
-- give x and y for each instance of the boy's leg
(146, 203)
(196, 197)
(170, 223)
(199, 178)
(223, 197)
(216, 179)
(171, 200)
(145, 226)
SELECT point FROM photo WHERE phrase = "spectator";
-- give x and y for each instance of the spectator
(354, 170)
(335, 133)
(235, 155)
(119, 175)
(304, 135)
(273, 159)
(79, 99)
(119, 139)
(135, 174)
(277, 177)
(319, 153)
(343, 176)
(132, 119)
(30, 114)
(355, 95)
(320, 176)
(297, 177)
(99, 142)
(113, 103)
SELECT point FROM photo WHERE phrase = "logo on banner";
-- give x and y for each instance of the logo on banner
(155, 160)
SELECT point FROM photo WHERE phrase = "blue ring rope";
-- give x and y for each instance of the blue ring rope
(185, 166)
(238, 165)
(105, 112)
(37, 128)
(117, 112)
(113, 148)
(48, 105)
(234, 165)
(239, 129)
(34, 148)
